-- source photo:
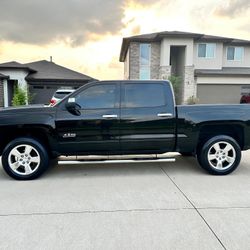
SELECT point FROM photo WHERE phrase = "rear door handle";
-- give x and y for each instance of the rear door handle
(165, 115)
(109, 116)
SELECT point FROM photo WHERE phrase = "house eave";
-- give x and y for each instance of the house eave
(36, 80)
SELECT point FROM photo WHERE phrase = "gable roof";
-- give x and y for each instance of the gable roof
(15, 65)
(158, 36)
(47, 71)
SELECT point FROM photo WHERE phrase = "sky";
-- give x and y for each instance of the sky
(86, 35)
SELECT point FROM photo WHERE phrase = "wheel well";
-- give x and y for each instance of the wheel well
(9, 134)
(209, 131)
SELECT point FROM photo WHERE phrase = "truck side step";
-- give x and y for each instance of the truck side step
(110, 161)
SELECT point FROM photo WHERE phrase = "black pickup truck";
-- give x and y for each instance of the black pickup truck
(122, 117)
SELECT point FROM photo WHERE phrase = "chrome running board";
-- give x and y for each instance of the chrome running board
(109, 161)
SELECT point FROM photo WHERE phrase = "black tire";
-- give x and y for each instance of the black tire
(222, 161)
(38, 153)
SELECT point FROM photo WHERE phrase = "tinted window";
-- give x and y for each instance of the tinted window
(144, 95)
(98, 96)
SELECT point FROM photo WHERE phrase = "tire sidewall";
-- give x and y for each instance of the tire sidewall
(40, 149)
(203, 155)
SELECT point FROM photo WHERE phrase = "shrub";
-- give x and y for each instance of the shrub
(19, 97)
(192, 100)
(176, 83)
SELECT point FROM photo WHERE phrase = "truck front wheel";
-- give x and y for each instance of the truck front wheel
(220, 155)
(25, 159)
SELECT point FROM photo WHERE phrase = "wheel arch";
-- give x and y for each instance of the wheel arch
(39, 133)
(236, 131)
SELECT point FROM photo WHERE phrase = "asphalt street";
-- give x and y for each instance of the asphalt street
(127, 206)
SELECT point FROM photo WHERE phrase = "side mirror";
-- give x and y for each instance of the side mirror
(73, 108)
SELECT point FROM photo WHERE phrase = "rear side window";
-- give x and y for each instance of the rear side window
(61, 95)
(140, 95)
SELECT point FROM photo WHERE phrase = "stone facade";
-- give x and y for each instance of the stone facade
(134, 66)
(189, 88)
(164, 72)
(155, 60)
(1, 94)
(134, 58)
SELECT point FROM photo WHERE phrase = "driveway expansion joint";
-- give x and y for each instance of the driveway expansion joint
(97, 211)
(194, 207)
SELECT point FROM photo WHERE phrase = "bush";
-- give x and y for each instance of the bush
(192, 100)
(176, 83)
(19, 97)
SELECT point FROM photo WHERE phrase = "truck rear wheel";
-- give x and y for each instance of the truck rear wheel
(220, 155)
(25, 159)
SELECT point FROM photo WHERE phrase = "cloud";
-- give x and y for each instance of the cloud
(73, 21)
(233, 8)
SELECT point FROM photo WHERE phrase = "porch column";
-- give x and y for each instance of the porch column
(165, 67)
(5, 93)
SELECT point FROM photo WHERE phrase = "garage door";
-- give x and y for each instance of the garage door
(41, 94)
(219, 93)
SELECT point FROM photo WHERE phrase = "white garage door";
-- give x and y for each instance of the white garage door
(219, 93)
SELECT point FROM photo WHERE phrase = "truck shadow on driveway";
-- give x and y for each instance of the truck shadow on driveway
(182, 165)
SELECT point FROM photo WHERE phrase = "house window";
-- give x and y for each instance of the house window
(206, 50)
(145, 55)
(235, 53)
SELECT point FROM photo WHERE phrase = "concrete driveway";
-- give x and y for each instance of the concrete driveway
(127, 206)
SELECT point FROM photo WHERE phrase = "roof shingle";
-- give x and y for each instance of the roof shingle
(46, 70)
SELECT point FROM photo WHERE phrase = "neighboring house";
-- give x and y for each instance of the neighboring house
(3, 86)
(213, 69)
(41, 78)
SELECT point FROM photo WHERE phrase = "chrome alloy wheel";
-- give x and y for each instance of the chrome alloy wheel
(221, 155)
(24, 159)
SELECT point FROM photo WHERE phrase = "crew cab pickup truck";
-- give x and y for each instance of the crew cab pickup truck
(122, 117)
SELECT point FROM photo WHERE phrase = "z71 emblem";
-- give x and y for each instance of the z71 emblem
(69, 135)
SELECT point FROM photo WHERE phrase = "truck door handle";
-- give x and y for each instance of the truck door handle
(164, 115)
(109, 116)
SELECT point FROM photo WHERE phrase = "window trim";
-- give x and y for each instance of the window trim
(234, 60)
(149, 64)
(144, 107)
(206, 57)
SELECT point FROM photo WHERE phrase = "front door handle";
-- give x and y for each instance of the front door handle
(109, 116)
(165, 115)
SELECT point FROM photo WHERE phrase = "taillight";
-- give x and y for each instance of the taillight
(52, 102)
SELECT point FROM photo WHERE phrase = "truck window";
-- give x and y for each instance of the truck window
(142, 95)
(97, 97)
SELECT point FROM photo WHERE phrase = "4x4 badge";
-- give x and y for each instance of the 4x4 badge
(69, 135)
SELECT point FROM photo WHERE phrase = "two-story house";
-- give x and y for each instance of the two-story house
(213, 69)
